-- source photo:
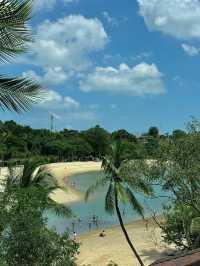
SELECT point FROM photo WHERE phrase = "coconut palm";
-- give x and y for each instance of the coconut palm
(33, 175)
(121, 181)
(16, 93)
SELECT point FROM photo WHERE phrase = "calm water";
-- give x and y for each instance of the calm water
(85, 212)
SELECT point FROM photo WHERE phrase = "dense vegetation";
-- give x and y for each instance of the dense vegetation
(18, 142)
(173, 165)
(25, 239)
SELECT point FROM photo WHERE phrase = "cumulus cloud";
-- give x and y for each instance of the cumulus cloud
(55, 101)
(178, 18)
(139, 80)
(68, 42)
(52, 76)
(190, 49)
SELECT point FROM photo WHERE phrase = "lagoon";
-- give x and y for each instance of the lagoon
(84, 213)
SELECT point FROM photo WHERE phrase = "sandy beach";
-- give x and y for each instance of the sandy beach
(62, 171)
(98, 251)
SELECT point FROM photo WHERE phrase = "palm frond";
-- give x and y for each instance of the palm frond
(140, 185)
(132, 174)
(18, 94)
(108, 166)
(14, 33)
(134, 202)
(43, 178)
(13, 176)
(110, 199)
(101, 182)
(121, 192)
(59, 209)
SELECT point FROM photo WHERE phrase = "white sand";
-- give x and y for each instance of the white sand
(97, 251)
(62, 171)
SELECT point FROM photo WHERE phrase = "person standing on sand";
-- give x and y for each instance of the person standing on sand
(90, 225)
(74, 235)
(73, 226)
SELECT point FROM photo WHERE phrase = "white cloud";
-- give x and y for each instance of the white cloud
(56, 75)
(68, 42)
(55, 101)
(178, 18)
(70, 103)
(190, 49)
(139, 80)
(52, 76)
(49, 4)
(65, 107)
(111, 20)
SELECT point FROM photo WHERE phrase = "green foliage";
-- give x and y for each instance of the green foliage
(122, 182)
(33, 175)
(195, 226)
(70, 145)
(98, 138)
(177, 169)
(16, 94)
(25, 239)
(153, 132)
(122, 134)
(177, 134)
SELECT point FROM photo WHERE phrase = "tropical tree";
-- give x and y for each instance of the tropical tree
(16, 93)
(176, 169)
(25, 238)
(34, 175)
(122, 182)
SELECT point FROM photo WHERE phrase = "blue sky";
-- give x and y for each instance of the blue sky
(122, 64)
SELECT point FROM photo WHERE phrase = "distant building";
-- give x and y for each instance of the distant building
(191, 258)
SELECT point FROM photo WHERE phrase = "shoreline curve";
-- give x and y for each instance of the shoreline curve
(62, 171)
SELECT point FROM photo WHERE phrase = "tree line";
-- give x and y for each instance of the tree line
(19, 142)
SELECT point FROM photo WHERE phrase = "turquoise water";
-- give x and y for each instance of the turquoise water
(85, 212)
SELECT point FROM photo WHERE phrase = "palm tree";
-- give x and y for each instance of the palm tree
(16, 93)
(33, 175)
(121, 181)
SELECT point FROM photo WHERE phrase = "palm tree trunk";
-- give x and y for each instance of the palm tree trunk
(124, 230)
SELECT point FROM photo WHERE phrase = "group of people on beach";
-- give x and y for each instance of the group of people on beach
(93, 220)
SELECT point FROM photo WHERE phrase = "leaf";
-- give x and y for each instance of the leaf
(134, 202)
(18, 94)
(14, 33)
(110, 199)
(59, 209)
(121, 192)
(101, 182)
(195, 226)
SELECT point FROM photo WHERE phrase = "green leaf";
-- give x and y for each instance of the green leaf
(195, 226)
(110, 199)
(101, 182)
(18, 94)
(134, 202)
(14, 33)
